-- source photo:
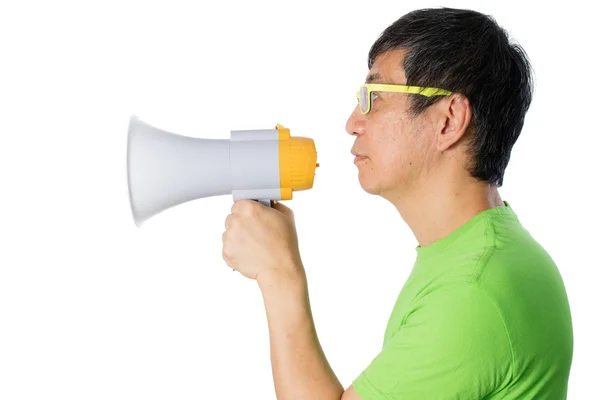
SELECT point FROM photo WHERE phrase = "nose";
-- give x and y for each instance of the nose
(356, 123)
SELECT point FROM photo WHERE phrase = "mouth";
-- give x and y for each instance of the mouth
(358, 157)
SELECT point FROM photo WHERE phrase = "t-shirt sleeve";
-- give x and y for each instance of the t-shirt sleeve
(452, 345)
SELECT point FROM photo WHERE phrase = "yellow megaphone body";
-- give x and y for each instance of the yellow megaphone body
(165, 169)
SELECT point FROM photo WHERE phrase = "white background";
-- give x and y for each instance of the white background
(93, 307)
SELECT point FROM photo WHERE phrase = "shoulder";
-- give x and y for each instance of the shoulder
(461, 301)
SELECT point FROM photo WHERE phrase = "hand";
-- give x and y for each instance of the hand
(260, 241)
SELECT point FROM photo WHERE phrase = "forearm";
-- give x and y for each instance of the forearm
(300, 368)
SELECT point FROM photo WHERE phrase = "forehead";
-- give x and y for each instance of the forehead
(388, 68)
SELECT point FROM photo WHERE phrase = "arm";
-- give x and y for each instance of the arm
(261, 243)
(300, 368)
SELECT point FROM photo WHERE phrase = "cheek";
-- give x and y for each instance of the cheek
(389, 154)
(397, 157)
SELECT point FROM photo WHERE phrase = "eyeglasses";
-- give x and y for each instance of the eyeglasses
(364, 93)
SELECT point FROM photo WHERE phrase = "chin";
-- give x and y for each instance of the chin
(374, 183)
(369, 183)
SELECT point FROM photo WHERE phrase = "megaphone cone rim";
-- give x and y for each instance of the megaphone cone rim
(134, 212)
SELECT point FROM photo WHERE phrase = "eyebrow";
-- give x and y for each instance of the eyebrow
(373, 77)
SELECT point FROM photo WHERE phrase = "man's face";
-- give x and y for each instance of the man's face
(393, 147)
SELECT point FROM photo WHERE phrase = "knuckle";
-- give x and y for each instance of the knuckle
(239, 206)
(232, 221)
(226, 254)
(243, 206)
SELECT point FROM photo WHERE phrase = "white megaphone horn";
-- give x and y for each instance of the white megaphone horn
(165, 169)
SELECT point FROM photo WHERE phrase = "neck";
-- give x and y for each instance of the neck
(434, 210)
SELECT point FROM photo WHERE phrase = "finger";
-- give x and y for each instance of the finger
(224, 251)
(228, 221)
(241, 206)
(285, 210)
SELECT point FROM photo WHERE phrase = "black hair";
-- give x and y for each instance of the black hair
(469, 53)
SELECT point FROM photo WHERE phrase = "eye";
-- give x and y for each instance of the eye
(374, 95)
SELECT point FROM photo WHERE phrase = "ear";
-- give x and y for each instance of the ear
(455, 118)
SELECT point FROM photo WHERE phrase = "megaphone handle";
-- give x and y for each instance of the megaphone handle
(265, 202)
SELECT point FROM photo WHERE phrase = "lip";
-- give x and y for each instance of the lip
(359, 158)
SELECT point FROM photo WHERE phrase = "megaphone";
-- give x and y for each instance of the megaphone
(165, 169)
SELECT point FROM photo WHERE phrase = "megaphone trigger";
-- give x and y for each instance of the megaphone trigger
(265, 202)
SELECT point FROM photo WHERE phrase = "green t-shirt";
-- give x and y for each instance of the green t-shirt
(483, 315)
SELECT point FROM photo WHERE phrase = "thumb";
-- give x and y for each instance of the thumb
(285, 210)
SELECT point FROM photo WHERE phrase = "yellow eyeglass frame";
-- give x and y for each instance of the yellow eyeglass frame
(378, 87)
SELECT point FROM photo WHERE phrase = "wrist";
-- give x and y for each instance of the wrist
(285, 296)
(286, 278)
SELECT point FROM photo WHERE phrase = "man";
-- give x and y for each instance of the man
(484, 313)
